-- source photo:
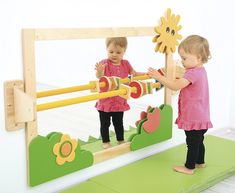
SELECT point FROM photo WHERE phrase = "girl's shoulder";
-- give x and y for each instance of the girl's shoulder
(105, 61)
(125, 62)
(195, 74)
(195, 71)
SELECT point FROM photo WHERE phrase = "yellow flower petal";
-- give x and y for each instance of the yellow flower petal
(67, 155)
(59, 160)
(56, 148)
(65, 138)
(71, 157)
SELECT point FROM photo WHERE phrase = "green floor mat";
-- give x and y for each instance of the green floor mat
(89, 187)
(154, 174)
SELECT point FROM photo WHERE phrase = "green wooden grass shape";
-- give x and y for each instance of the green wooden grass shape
(163, 131)
(42, 161)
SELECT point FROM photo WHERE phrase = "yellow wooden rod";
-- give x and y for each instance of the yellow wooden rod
(142, 77)
(82, 99)
(87, 98)
(156, 85)
(83, 87)
(63, 90)
(67, 90)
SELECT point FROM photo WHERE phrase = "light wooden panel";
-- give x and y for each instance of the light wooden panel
(10, 123)
(28, 49)
(169, 74)
(112, 152)
(83, 33)
(24, 106)
(28, 43)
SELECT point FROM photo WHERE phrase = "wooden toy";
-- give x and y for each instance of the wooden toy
(115, 83)
(58, 154)
(109, 83)
(106, 82)
(139, 89)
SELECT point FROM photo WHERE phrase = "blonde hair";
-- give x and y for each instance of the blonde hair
(196, 45)
(117, 41)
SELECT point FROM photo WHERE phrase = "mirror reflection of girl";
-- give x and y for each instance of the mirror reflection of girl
(113, 108)
(194, 109)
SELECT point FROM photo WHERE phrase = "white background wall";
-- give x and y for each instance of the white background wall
(212, 19)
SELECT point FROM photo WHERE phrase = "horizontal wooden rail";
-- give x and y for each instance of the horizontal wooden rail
(72, 101)
(83, 87)
(81, 99)
(85, 33)
(65, 90)
(112, 152)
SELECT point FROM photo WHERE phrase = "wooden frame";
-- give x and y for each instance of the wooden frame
(26, 89)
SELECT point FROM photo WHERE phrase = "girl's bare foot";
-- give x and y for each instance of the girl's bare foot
(200, 165)
(183, 169)
(106, 145)
(121, 142)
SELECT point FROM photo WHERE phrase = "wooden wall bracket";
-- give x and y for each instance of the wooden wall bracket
(19, 107)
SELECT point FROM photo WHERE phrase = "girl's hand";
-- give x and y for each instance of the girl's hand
(153, 73)
(99, 67)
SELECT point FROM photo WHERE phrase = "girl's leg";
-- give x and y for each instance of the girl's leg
(200, 162)
(104, 126)
(196, 148)
(193, 140)
(117, 119)
(195, 152)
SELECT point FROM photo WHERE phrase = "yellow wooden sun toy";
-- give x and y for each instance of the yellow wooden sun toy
(167, 33)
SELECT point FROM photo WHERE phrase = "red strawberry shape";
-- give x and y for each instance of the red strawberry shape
(152, 122)
(143, 115)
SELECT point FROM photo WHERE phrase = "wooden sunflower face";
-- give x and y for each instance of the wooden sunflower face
(167, 33)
